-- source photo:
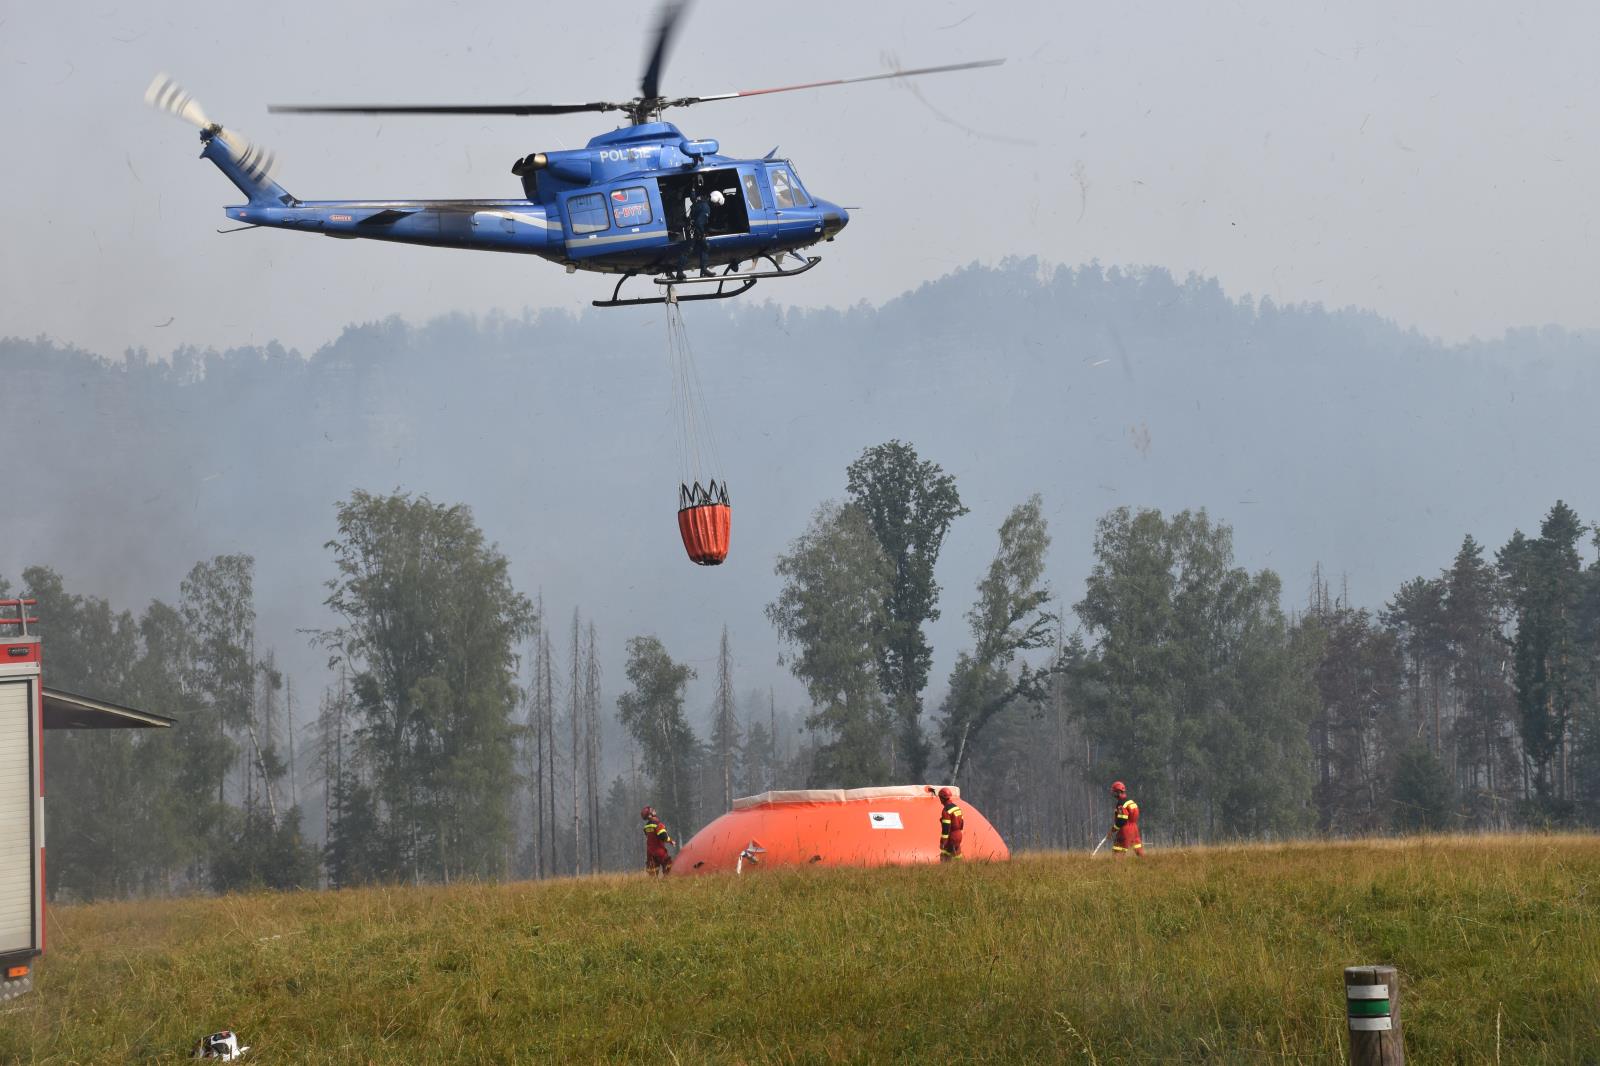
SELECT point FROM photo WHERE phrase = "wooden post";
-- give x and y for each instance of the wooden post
(1372, 1004)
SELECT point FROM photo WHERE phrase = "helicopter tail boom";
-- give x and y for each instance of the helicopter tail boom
(249, 169)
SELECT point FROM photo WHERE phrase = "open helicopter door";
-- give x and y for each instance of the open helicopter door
(613, 220)
(729, 218)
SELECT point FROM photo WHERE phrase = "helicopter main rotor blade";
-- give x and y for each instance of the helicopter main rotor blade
(666, 23)
(885, 76)
(444, 109)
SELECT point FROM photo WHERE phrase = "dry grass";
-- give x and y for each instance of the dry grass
(1225, 955)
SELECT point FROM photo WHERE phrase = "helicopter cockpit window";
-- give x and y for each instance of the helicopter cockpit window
(630, 207)
(783, 193)
(752, 192)
(801, 197)
(588, 213)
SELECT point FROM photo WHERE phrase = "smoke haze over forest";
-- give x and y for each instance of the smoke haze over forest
(1321, 436)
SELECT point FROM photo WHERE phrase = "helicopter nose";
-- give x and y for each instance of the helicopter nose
(834, 219)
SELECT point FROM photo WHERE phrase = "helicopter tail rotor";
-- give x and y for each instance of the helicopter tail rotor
(164, 94)
(254, 162)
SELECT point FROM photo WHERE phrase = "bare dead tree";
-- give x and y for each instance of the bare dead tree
(591, 747)
(725, 726)
(575, 712)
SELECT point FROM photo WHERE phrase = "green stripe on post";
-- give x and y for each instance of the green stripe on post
(1368, 1008)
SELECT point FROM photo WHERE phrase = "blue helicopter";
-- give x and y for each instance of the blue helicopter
(642, 199)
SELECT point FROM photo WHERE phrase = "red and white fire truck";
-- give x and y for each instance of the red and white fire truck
(27, 709)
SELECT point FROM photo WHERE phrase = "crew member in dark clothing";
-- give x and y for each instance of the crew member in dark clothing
(699, 220)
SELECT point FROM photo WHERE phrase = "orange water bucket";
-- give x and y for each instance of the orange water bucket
(705, 521)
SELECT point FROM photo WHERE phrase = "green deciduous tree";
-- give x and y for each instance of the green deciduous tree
(1009, 618)
(652, 711)
(908, 503)
(132, 811)
(93, 775)
(831, 612)
(1194, 691)
(180, 760)
(218, 609)
(430, 628)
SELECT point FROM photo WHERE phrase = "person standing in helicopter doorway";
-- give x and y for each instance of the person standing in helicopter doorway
(699, 223)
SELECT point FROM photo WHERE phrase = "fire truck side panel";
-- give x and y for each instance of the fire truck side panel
(19, 800)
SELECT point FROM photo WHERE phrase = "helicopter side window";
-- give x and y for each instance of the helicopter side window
(630, 207)
(588, 213)
(782, 188)
(752, 192)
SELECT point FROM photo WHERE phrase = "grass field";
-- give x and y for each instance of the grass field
(1221, 955)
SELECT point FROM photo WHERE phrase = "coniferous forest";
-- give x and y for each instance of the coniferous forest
(1283, 570)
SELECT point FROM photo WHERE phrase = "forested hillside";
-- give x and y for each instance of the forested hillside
(1276, 500)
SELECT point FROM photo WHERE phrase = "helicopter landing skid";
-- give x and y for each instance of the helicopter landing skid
(746, 280)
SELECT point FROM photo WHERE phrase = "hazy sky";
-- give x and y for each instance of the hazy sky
(1434, 162)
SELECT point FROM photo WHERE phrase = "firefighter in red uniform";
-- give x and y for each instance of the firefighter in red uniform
(1124, 831)
(950, 825)
(657, 859)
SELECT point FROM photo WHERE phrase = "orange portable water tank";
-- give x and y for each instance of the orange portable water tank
(887, 826)
(705, 521)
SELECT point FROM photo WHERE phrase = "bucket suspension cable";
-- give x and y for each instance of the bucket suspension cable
(704, 514)
(697, 441)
